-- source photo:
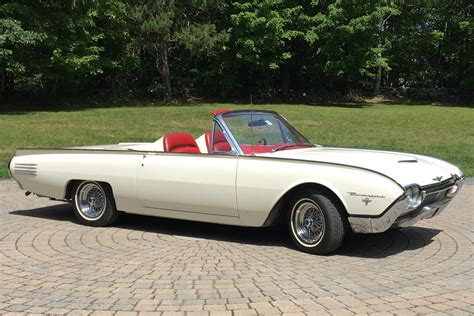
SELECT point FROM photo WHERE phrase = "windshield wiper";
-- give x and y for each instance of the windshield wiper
(290, 145)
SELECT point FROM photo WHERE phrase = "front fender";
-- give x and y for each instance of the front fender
(262, 183)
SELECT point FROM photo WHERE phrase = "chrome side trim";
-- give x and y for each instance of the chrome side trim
(399, 216)
(318, 162)
(25, 168)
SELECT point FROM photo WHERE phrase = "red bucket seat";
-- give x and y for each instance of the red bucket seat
(220, 143)
(180, 143)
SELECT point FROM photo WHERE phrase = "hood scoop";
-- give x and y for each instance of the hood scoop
(414, 160)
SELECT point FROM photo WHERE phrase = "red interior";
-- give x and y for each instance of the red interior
(259, 149)
(220, 143)
(185, 143)
(180, 143)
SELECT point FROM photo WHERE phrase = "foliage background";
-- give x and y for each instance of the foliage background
(287, 50)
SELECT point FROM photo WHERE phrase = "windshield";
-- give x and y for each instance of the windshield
(260, 132)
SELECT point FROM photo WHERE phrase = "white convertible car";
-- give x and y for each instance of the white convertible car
(251, 169)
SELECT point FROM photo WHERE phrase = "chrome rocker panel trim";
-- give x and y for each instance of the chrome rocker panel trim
(399, 216)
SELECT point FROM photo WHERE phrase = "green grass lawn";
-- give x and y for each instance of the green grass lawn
(442, 131)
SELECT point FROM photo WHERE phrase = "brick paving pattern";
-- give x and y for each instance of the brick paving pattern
(49, 264)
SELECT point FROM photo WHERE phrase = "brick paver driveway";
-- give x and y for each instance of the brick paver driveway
(50, 264)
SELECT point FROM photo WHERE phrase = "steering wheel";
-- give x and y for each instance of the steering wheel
(262, 141)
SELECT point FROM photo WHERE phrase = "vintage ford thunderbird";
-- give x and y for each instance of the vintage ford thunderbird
(251, 169)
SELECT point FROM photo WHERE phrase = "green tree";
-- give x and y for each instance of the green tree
(216, 48)
(432, 45)
(346, 36)
(14, 41)
(79, 39)
(82, 39)
(263, 34)
(162, 26)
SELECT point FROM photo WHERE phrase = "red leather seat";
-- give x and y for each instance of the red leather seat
(180, 143)
(220, 143)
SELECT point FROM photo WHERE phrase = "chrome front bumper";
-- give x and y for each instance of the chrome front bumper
(398, 215)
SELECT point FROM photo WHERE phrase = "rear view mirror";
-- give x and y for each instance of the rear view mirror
(260, 122)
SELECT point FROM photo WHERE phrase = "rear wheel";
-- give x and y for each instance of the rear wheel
(315, 224)
(94, 204)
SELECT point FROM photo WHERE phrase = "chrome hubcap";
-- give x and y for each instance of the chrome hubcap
(91, 201)
(307, 222)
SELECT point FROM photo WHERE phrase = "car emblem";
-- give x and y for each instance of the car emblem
(366, 201)
(438, 178)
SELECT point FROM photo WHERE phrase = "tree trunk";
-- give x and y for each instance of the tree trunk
(378, 80)
(7, 85)
(438, 63)
(285, 80)
(2, 84)
(165, 70)
(378, 75)
(113, 84)
(349, 90)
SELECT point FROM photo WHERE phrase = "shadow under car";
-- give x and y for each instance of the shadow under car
(379, 245)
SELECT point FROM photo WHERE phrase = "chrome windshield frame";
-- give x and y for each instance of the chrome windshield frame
(219, 119)
(227, 134)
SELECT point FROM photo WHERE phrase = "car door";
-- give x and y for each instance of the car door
(199, 183)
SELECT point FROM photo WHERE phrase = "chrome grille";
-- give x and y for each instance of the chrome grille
(436, 193)
(439, 186)
(435, 196)
(26, 168)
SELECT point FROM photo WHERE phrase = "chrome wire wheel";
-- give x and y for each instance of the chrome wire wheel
(307, 222)
(91, 200)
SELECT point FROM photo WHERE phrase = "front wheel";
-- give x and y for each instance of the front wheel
(315, 224)
(94, 204)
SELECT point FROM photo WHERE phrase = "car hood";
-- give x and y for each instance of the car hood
(402, 167)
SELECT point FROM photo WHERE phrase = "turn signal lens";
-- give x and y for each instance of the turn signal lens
(453, 190)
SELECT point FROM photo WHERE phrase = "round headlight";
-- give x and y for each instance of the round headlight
(414, 196)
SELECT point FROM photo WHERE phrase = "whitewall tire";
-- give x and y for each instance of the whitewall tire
(315, 224)
(93, 204)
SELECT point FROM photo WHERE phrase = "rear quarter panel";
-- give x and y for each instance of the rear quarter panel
(55, 170)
